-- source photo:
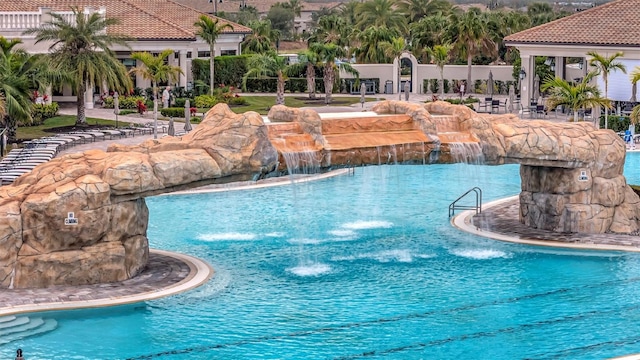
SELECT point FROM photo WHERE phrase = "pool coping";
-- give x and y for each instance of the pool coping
(199, 273)
(463, 222)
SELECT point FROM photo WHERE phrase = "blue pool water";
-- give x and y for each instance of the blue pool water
(364, 266)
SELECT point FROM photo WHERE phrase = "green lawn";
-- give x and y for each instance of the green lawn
(259, 104)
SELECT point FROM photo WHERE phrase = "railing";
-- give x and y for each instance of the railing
(22, 20)
(478, 206)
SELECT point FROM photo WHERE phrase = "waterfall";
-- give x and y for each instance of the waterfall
(466, 152)
(302, 162)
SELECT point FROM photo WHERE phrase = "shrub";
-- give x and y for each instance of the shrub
(172, 112)
(124, 102)
(435, 85)
(447, 86)
(477, 86)
(206, 101)
(42, 112)
(237, 101)
(141, 107)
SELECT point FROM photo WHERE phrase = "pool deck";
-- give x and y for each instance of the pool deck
(499, 220)
(166, 274)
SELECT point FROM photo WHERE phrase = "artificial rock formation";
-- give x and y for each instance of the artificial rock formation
(105, 192)
(571, 178)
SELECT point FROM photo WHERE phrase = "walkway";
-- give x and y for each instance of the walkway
(499, 220)
(166, 274)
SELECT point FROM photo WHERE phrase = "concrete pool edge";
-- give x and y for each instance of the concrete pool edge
(199, 273)
(463, 221)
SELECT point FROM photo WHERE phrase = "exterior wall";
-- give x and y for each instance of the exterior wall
(451, 72)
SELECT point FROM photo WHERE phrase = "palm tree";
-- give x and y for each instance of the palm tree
(209, 30)
(307, 62)
(418, 9)
(330, 29)
(394, 50)
(15, 90)
(266, 65)
(604, 65)
(428, 32)
(327, 54)
(470, 36)
(368, 50)
(381, 13)
(82, 47)
(157, 70)
(578, 96)
(261, 39)
(440, 56)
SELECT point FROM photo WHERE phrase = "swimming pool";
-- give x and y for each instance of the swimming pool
(363, 266)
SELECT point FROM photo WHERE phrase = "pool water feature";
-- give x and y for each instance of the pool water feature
(362, 266)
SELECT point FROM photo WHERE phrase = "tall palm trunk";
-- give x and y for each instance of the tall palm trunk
(329, 77)
(211, 69)
(442, 82)
(606, 109)
(12, 128)
(399, 82)
(155, 109)
(82, 117)
(311, 81)
(280, 90)
(469, 61)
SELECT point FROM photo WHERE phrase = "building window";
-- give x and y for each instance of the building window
(176, 55)
(228, 52)
(188, 54)
(202, 54)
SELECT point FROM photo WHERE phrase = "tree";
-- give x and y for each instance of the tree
(428, 32)
(83, 47)
(604, 65)
(470, 36)
(327, 54)
(261, 39)
(394, 50)
(369, 50)
(381, 13)
(440, 56)
(266, 65)
(331, 29)
(209, 30)
(157, 70)
(307, 62)
(281, 19)
(577, 96)
(15, 88)
(418, 9)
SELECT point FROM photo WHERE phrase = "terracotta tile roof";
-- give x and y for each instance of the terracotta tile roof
(140, 19)
(232, 6)
(613, 24)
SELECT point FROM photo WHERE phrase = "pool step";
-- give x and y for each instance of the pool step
(17, 328)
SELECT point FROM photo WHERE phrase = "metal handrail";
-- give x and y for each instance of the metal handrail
(478, 207)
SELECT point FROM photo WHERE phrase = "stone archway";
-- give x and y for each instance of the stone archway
(414, 71)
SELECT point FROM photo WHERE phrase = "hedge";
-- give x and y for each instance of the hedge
(42, 112)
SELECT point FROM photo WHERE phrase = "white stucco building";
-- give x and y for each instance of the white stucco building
(153, 26)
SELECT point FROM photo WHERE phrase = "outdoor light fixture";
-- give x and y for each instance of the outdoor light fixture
(523, 74)
(548, 61)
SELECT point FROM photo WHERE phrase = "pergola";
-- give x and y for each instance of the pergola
(604, 29)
